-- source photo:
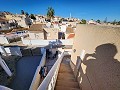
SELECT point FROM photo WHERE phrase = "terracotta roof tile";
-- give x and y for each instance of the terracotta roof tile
(71, 36)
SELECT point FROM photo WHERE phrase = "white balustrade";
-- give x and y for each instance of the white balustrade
(4, 88)
(5, 67)
(50, 80)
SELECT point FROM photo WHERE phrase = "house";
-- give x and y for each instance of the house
(51, 33)
(71, 36)
(40, 19)
(4, 24)
(69, 30)
(40, 31)
(21, 20)
(36, 31)
(92, 22)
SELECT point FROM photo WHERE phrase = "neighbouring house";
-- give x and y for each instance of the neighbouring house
(71, 36)
(69, 30)
(13, 23)
(40, 31)
(92, 22)
(21, 20)
(4, 24)
(40, 19)
(36, 31)
(52, 33)
(56, 25)
(63, 28)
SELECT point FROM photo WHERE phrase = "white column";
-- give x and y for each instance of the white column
(5, 67)
(20, 54)
(2, 50)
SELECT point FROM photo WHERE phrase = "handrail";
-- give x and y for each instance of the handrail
(4, 88)
(36, 79)
(50, 80)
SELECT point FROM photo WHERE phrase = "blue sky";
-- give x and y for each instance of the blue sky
(83, 9)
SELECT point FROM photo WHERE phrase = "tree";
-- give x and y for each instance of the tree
(22, 12)
(32, 17)
(98, 21)
(83, 21)
(118, 23)
(50, 12)
(114, 22)
(26, 13)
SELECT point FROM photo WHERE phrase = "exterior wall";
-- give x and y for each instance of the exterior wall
(22, 23)
(52, 33)
(63, 28)
(36, 36)
(3, 40)
(100, 68)
(19, 18)
(4, 26)
(46, 42)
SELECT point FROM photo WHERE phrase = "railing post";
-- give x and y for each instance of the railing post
(3, 50)
(5, 67)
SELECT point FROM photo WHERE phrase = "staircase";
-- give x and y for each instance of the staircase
(66, 79)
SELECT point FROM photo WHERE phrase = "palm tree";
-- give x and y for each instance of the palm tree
(22, 12)
(50, 12)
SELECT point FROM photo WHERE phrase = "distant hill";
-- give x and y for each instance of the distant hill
(3, 13)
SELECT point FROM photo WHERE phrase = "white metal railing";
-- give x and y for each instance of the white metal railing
(36, 79)
(50, 80)
(4, 88)
(46, 42)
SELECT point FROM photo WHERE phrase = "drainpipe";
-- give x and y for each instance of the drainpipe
(5, 67)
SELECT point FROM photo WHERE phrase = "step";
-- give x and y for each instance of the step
(63, 68)
(65, 78)
(65, 71)
(64, 64)
(65, 88)
(67, 84)
(66, 74)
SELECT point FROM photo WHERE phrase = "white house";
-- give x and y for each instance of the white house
(4, 24)
(40, 19)
(21, 20)
(92, 22)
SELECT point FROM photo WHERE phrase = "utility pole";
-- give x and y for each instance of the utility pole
(70, 15)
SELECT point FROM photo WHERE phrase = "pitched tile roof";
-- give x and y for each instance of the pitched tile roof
(72, 35)
(36, 27)
(3, 19)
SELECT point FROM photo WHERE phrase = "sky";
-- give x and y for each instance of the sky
(82, 9)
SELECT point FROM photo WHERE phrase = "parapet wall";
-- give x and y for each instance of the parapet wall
(100, 67)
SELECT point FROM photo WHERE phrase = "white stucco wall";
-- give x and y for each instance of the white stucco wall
(47, 42)
(3, 40)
